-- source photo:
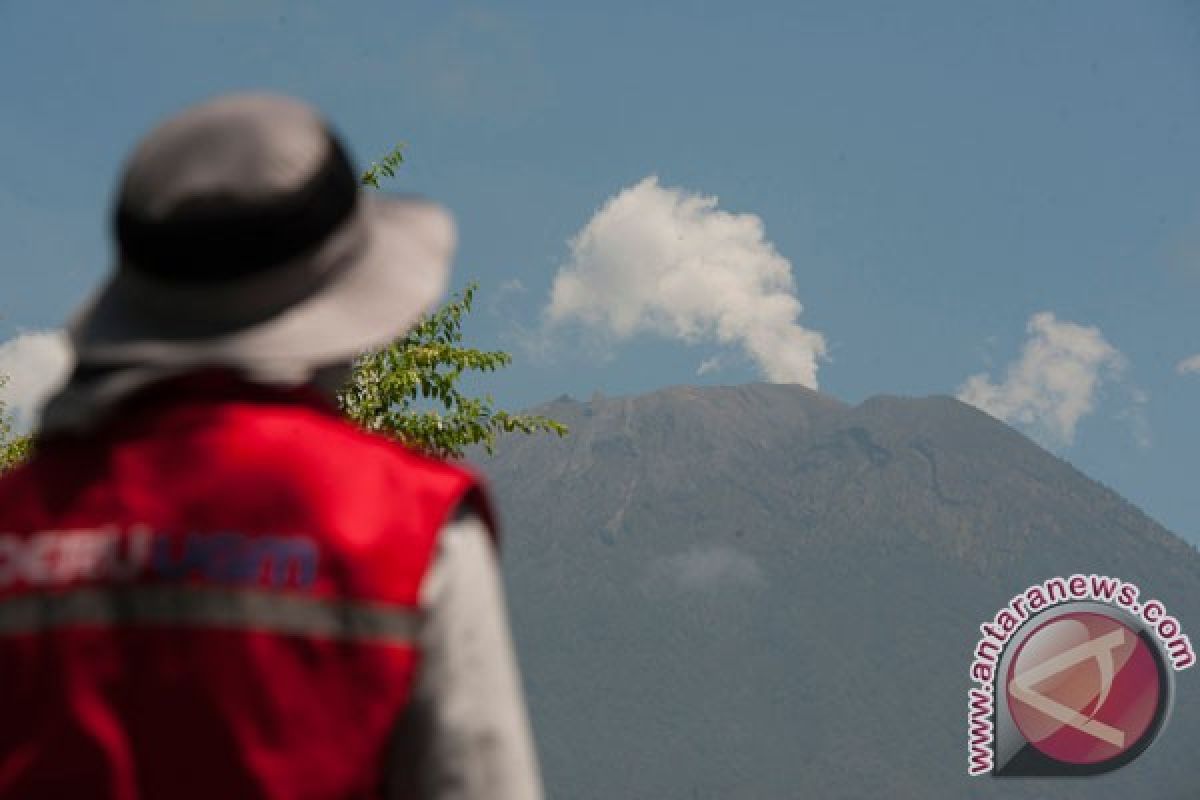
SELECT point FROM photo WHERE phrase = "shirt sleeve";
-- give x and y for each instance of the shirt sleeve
(465, 733)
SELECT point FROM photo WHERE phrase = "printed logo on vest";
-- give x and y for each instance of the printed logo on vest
(52, 558)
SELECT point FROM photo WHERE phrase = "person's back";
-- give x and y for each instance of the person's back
(222, 589)
(148, 561)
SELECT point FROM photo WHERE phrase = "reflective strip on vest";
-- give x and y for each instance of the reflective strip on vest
(202, 607)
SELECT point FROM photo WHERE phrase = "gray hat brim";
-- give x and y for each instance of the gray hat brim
(366, 285)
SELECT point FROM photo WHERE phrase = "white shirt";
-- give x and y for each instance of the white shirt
(466, 734)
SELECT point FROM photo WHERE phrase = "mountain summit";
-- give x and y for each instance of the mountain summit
(762, 592)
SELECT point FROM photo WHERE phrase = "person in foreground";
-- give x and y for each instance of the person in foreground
(211, 585)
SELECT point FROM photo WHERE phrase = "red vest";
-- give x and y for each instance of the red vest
(215, 596)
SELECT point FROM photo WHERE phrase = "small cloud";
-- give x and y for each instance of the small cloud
(709, 365)
(708, 568)
(1188, 365)
(226, 11)
(36, 364)
(479, 64)
(1183, 250)
(501, 301)
(1135, 414)
(669, 262)
(1055, 381)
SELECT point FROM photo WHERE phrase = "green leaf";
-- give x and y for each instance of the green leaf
(13, 448)
(429, 361)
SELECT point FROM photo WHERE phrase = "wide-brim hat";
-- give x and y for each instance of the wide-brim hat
(245, 239)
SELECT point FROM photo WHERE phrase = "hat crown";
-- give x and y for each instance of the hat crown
(238, 150)
(230, 187)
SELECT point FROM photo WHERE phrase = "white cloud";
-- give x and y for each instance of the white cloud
(1055, 381)
(669, 262)
(709, 365)
(712, 567)
(1188, 365)
(36, 364)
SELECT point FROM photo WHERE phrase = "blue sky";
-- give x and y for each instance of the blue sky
(948, 189)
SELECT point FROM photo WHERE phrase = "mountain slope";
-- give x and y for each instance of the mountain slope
(761, 592)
